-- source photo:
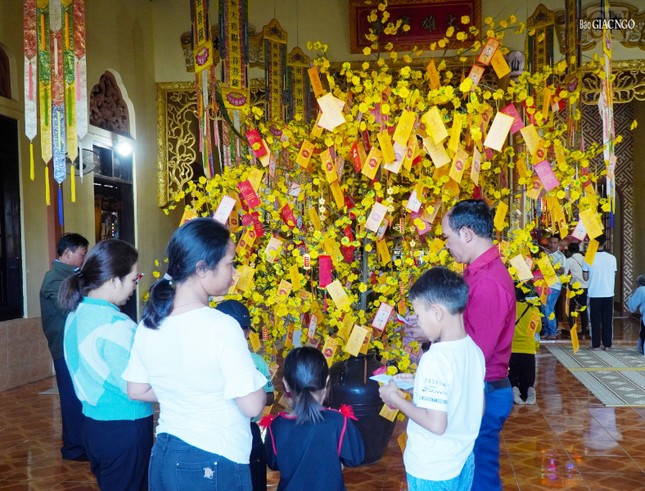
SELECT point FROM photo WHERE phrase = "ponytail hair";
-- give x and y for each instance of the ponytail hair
(111, 258)
(306, 371)
(202, 243)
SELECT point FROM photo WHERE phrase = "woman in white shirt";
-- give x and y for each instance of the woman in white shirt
(574, 268)
(195, 361)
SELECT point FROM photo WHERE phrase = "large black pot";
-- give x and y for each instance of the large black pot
(350, 384)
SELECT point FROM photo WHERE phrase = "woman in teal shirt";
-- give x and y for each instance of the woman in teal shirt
(97, 342)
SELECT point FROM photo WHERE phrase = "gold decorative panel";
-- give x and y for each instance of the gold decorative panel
(177, 135)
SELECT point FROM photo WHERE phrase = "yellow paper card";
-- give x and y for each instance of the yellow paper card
(387, 413)
(330, 246)
(546, 102)
(383, 252)
(531, 138)
(592, 223)
(592, 248)
(499, 64)
(337, 193)
(387, 150)
(355, 341)
(316, 84)
(254, 338)
(476, 167)
(534, 188)
(328, 166)
(284, 288)
(316, 129)
(366, 343)
(544, 263)
(434, 125)
(246, 241)
(255, 178)
(560, 156)
(332, 111)
(338, 295)
(375, 217)
(315, 219)
(329, 349)
(433, 75)
(522, 270)
(498, 131)
(459, 164)
(404, 128)
(575, 342)
(402, 440)
(273, 249)
(346, 327)
(372, 162)
(437, 152)
(294, 274)
(305, 153)
(455, 132)
(500, 215)
(187, 216)
(245, 281)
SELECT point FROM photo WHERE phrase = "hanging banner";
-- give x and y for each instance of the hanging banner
(298, 85)
(275, 59)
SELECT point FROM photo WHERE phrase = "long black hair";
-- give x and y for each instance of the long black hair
(306, 371)
(111, 258)
(201, 242)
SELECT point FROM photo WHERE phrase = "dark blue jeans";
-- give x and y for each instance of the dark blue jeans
(499, 403)
(71, 414)
(177, 466)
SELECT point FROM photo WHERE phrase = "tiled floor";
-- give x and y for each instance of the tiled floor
(568, 440)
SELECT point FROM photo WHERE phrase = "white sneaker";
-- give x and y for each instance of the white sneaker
(530, 396)
(516, 396)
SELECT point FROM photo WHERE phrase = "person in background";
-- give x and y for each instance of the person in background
(558, 260)
(258, 461)
(309, 444)
(448, 397)
(601, 277)
(195, 362)
(526, 340)
(70, 251)
(98, 337)
(574, 268)
(636, 305)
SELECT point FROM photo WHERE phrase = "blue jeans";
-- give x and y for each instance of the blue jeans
(463, 482)
(499, 403)
(177, 466)
(551, 325)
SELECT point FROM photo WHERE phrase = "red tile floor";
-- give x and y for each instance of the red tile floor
(568, 440)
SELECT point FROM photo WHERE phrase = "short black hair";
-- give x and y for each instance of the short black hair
(574, 247)
(441, 286)
(473, 214)
(71, 241)
(601, 239)
(555, 236)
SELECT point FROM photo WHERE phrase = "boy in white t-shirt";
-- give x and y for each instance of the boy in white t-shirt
(448, 399)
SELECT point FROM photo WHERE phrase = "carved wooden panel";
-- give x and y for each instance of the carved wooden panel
(108, 110)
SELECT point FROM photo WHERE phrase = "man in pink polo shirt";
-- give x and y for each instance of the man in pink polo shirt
(489, 319)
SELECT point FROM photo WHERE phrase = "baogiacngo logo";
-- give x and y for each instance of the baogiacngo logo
(611, 24)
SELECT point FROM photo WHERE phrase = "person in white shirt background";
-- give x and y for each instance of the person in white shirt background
(558, 260)
(601, 276)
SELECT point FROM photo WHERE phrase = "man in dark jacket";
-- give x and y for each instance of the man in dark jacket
(71, 250)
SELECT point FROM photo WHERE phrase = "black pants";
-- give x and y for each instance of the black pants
(575, 304)
(71, 412)
(601, 315)
(119, 452)
(521, 372)
(258, 460)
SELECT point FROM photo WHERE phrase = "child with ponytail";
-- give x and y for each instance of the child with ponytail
(309, 444)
